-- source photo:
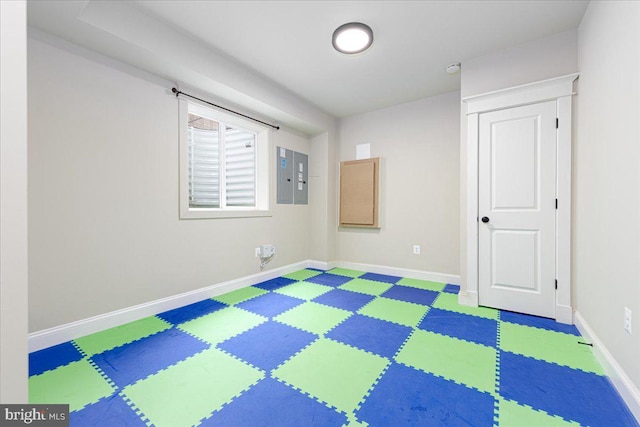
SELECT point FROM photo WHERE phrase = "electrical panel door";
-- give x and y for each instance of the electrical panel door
(285, 176)
(300, 178)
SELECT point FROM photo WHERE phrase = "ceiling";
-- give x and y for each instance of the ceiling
(287, 44)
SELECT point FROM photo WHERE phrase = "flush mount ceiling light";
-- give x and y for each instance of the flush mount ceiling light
(354, 37)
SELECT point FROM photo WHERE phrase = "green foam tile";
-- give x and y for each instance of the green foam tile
(364, 286)
(449, 302)
(77, 384)
(332, 372)
(556, 347)
(222, 324)
(422, 284)
(120, 335)
(403, 313)
(313, 317)
(346, 272)
(302, 274)
(191, 390)
(304, 290)
(512, 414)
(467, 363)
(240, 295)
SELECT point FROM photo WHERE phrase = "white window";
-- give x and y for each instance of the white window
(223, 164)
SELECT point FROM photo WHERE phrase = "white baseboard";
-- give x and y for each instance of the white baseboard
(395, 271)
(63, 333)
(469, 298)
(564, 314)
(621, 381)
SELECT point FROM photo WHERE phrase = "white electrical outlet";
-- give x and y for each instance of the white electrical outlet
(416, 249)
(627, 320)
(258, 252)
(267, 251)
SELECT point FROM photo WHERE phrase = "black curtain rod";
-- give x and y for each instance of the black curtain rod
(178, 92)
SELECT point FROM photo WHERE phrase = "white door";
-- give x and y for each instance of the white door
(516, 206)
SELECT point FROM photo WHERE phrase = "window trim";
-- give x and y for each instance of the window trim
(262, 165)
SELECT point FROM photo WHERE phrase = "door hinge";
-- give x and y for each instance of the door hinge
(556, 283)
(556, 203)
(557, 122)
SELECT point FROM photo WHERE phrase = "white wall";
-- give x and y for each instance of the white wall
(541, 59)
(419, 190)
(606, 234)
(104, 232)
(13, 203)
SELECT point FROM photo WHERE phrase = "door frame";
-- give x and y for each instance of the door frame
(561, 90)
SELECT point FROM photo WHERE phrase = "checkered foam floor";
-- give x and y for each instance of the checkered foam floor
(336, 348)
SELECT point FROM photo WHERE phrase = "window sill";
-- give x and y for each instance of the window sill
(195, 213)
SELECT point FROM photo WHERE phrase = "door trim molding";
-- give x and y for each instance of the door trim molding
(559, 89)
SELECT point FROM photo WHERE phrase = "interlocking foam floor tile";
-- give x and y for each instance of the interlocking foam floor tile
(302, 274)
(304, 290)
(452, 289)
(373, 335)
(463, 326)
(346, 272)
(120, 335)
(511, 414)
(184, 394)
(449, 302)
(131, 362)
(222, 325)
(556, 347)
(270, 304)
(191, 311)
(334, 373)
(52, 357)
(346, 300)
(466, 363)
(409, 294)
(364, 286)
(403, 313)
(585, 397)
(381, 278)
(313, 317)
(421, 284)
(406, 397)
(276, 283)
(268, 344)
(273, 404)
(240, 295)
(538, 322)
(77, 384)
(329, 279)
(107, 412)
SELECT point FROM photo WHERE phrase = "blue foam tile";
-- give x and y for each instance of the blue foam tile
(538, 322)
(107, 412)
(352, 301)
(137, 360)
(409, 294)
(584, 397)
(52, 357)
(315, 269)
(273, 404)
(380, 278)
(407, 397)
(276, 283)
(270, 304)
(329, 279)
(268, 345)
(373, 335)
(451, 289)
(462, 326)
(191, 311)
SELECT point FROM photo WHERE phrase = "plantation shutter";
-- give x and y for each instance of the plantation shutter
(204, 168)
(240, 167)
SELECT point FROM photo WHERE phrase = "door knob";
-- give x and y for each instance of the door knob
(485, 219)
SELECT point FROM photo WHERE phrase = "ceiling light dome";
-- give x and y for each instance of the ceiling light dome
(354, 37)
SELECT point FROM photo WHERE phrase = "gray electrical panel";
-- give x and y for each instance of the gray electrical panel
(292, 177)
(285, 176)
(301, 178)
